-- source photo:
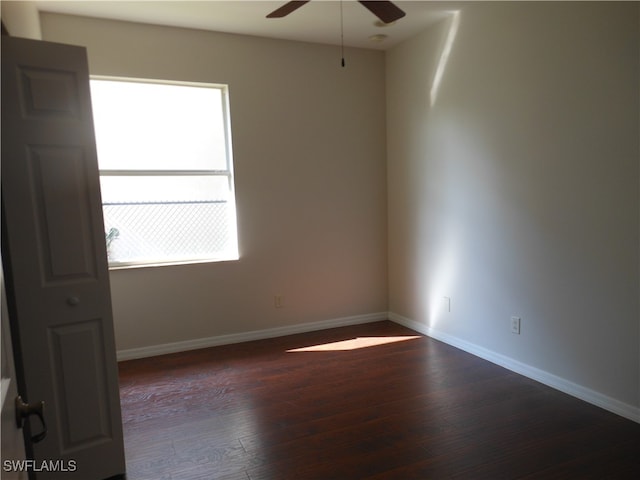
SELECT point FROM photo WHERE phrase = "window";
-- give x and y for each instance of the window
(166, 175)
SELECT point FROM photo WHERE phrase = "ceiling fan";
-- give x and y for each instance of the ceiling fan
(387, 12)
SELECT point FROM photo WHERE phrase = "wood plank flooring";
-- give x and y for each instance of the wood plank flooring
(410, 409)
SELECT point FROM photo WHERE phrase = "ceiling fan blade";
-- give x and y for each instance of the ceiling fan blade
(385, 11)
(286, 9)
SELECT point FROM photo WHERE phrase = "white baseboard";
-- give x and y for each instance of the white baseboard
(591, 396)
(153, 350)
(566, 386)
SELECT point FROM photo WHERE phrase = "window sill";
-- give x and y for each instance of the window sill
(133, 265)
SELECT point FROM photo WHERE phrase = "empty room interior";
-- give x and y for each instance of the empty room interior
(475, 185)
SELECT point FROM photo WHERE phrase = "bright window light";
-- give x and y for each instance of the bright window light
(166, 173)
(444, 56)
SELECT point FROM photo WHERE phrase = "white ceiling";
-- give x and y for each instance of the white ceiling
(317, 21)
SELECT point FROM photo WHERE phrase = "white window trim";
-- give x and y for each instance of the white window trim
(229, 173)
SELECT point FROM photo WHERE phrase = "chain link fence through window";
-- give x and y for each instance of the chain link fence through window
(149, 231)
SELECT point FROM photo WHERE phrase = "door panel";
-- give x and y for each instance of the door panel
(46, 92)
(59, 176)
(80, 394)
(55, 255)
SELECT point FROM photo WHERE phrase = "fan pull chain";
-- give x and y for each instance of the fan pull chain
(342, 34)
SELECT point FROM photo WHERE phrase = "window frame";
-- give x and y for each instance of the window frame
(228, 173)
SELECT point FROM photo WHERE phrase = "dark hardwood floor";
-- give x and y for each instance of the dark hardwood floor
(410, 409)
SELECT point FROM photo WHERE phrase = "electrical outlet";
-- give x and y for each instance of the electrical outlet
(278, 301)
(515, 325)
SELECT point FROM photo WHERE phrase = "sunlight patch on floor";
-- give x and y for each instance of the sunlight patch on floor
(354, 344)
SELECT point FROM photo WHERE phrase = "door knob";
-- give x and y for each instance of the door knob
(24, 410)
(72, 301)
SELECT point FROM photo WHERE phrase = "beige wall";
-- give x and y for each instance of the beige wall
(517, 191)
(309, 152)
(21, 19)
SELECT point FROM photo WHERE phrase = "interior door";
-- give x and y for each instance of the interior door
(55, 262)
